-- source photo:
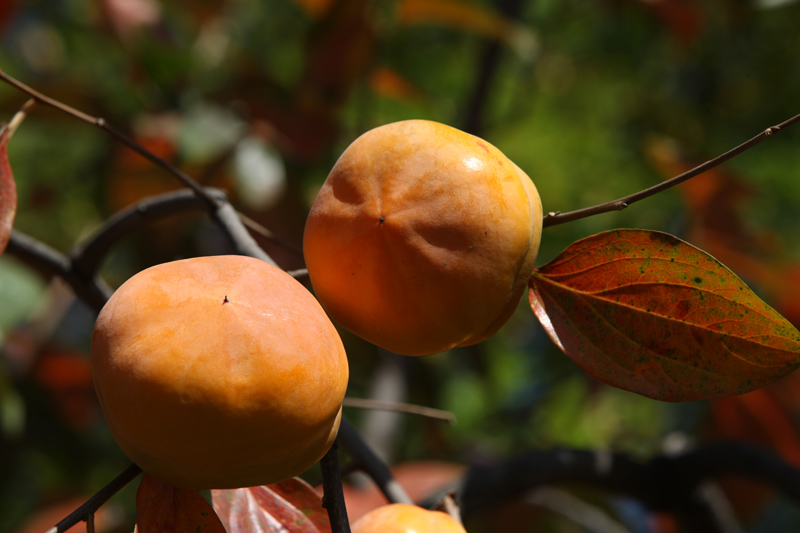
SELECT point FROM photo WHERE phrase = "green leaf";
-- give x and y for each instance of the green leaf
(646, 312)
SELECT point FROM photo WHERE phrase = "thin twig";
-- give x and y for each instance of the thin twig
(244, 243)
(555, 218)
(184, 178)
(221, 211)
(254, 226)
(301, 275)
(9, 129)
(91, 506)
(400, 407)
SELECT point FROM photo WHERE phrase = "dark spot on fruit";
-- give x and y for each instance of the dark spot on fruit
(382, 220)
(698, 280)
(225, 300)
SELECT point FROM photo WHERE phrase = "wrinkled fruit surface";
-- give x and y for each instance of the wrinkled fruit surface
(402, 518)
(219, 372)
(422, 238)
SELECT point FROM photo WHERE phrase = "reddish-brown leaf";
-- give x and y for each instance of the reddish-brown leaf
(646, 312)
(291, 506)
(162, 507)
(8, 195)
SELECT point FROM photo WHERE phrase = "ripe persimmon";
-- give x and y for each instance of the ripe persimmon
(219, 372)
(422, 238)
(404, 518)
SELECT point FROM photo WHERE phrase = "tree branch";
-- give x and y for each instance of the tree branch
(89, 254)
(671, 483)
(184, 178)
(333, 499)
(366, 460)
(87, 510)
(48, 261)
(400, 407)
(555, 218)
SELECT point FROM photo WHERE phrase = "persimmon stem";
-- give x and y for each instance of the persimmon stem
(556, 217)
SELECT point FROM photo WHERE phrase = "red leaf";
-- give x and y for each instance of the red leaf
(646, 312)
(8, 195)
(161, 507)
(291, 506)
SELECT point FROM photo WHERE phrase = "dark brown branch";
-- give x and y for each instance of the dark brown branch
(244, 243)
(555, 218)
(89, 254)
(371, 464)
(91, 506)
(333, 499)
(50, 262)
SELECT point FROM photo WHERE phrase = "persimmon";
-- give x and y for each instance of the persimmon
(219, 372)
(404, 518)
(422, 238)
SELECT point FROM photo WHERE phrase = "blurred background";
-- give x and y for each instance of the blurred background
(593, 99)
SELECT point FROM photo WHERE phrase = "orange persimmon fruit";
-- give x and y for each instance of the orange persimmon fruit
(219, 372)
(422, 238)
(404, 518)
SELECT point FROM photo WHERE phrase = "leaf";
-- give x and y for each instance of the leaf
(8, 194)
(467, 16)
(162, 507)
(646, 312)
(291, 506)
(389, 83)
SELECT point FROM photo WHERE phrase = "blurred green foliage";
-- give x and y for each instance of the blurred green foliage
(578, 92)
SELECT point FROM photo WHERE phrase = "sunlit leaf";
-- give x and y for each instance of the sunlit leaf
(162, 507)
(291, 506)
(8, 195)
(646, 312)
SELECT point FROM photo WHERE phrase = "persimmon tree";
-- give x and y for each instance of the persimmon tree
(636, 309)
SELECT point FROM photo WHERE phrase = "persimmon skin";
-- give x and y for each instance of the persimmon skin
(219, 372)
(404, 518)
(422, 238)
